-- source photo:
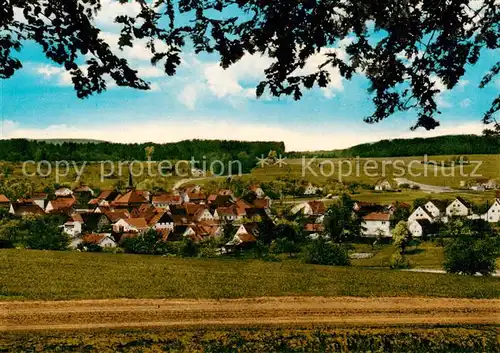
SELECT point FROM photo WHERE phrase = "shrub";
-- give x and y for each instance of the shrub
(401, 236)
(189, 248)
(471, 255)
(398, 261)
(322, 252)
(90, 247)
(208, 249)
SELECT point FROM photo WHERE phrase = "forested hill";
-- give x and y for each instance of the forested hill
(22, 150)
(441, 145)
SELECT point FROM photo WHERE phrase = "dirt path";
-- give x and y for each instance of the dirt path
(121, 313)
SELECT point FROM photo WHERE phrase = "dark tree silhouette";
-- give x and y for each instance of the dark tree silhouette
(402, 46)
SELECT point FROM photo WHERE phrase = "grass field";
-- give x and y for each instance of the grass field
(363, 171)
(95, 174)
(369, 170)
(263, 339)
(426, 256)
(29, 275)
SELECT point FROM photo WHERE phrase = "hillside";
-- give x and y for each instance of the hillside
(436, 146)
(19, 150)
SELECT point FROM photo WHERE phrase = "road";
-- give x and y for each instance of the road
(342, 311)
(424, 187)
(430, 270)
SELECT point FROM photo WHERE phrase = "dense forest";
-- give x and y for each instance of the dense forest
(441, 145)
(17, 150)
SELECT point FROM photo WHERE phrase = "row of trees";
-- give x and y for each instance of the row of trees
(433, 146)
(17, 150)
(470, 246)
(32, 232)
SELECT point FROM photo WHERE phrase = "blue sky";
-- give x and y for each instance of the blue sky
(204, 101)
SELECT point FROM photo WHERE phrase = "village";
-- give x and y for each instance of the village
(107, 219)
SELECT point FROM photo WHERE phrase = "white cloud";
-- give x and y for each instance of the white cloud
(55, 74)
(442, 102)
(48, 71)
(465, 103)
(298, 138)
(189, 95)
(440, 96)
(112, 8)
(223, 83)
(60, 77)
(463, 83)
(240, 79)
(315, 61)
(438, 83)
(149, 71)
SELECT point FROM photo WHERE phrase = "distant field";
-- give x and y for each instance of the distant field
(372, 169)
(97, 175)
(445, 177)
(45, 275)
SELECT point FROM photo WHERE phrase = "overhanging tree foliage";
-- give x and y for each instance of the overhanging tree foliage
(402, 46)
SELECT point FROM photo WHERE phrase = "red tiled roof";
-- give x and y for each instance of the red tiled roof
(76, 217)
(167, 198)
(23, 208)
(131, 197)
(247, 238)
(193, 208)
(117, 215)
(137, 222)
(242, 204)
(4, 199)
(314, 227)
(377, 216)
(62, 203)
(93, 238)
(317, 207)
(262, 203)
(104, 194)
(226, 211)
(39, 196)
(94, 202)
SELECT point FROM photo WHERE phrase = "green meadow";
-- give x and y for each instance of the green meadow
(48, 275)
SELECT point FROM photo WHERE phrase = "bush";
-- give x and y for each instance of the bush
(208, 249)
(398, 261)
(322, 252)
(90, 247)
(189, 248)
(471, 255)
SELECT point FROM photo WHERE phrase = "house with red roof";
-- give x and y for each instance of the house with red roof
(74, 225)
(377, 224)
(245, 235)
(102, 240)
(131, 199)
(4, 201)
(131, 225)
(310, 208)
(166, 200)
(22, 208)
(61, 205)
